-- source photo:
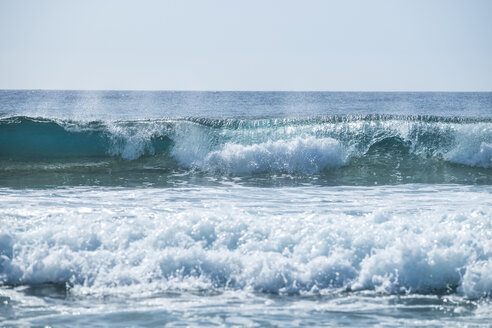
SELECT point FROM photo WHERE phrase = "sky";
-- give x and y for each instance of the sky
(350, 45)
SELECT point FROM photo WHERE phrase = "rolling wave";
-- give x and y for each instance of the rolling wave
(401, 145)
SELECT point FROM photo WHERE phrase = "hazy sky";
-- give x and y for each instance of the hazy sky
(247, 45)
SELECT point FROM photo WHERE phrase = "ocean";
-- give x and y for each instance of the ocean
(260, 209)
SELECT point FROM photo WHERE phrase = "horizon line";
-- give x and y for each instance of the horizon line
(258, 91)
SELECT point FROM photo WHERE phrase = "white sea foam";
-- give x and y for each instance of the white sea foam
(130, 142)
(245, 152)
(302, 155)
(299, 240)
(472, 154)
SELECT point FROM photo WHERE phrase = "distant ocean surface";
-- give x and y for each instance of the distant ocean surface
(132, 208)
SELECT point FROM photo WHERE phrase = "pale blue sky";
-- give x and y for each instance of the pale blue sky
(385, 45)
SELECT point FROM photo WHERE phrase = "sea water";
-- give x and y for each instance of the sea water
(125, 208)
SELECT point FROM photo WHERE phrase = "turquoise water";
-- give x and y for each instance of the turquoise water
(245, 209)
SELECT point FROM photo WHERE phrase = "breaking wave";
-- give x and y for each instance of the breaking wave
(404, 145)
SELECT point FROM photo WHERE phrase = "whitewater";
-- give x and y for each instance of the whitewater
(125, 208)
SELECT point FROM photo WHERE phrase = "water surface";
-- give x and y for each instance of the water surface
(245, 208)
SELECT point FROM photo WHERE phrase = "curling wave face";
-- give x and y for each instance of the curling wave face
(347, 149)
